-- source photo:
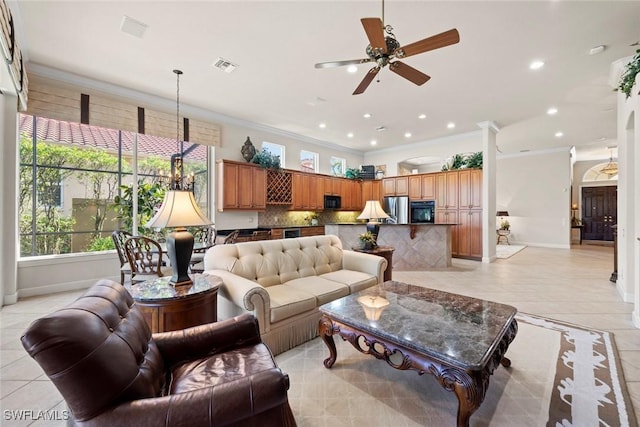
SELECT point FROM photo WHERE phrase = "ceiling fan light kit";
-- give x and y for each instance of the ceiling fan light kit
(385, 50)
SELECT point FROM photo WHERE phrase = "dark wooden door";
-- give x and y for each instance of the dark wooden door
(599, 212)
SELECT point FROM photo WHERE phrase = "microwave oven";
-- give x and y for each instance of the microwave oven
(421, 212)
(332, 202)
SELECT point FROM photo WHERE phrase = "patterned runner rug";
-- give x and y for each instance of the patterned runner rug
(561, 375)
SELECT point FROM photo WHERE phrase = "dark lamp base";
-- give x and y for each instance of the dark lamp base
(374, 228)
(179, 249)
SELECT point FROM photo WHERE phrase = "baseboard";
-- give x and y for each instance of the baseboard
(61, 287)
(542, 245)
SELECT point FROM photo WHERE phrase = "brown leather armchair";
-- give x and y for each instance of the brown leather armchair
(100, 354)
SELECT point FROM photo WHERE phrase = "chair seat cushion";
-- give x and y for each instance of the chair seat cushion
(287, 301)
(355, 280)
(221, 368)
(323, 289)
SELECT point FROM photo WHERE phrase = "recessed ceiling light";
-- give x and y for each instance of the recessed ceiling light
(536, 65)
(374, 142)
(422, 116)
(559, 134)
(350, 135)
(367, 115)
(451, 125)
(322, 125)
(551, 111)
(407, 134)
(352, 69)
(597, 49)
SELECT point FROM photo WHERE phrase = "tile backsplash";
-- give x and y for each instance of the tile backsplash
(281, 215)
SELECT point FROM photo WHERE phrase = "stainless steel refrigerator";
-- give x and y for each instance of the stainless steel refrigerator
(397, 208)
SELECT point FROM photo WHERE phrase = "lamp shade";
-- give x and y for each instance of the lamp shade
(502, 213)
(178, 209)
(373, 210)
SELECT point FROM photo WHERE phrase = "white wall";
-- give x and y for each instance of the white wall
(535, 188)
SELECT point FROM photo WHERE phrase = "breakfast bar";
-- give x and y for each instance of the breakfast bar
(417, 246)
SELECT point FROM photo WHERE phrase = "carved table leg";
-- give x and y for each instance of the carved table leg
(326, 330)
(470, 389)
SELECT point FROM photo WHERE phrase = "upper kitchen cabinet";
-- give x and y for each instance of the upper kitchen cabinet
(241, 186)
(447, 190)
(470, 188)
(422, 187)
(398, 186)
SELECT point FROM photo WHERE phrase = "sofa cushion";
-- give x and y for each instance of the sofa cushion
(221, 368)
(323, 289)
(287, 301)
(355, 280)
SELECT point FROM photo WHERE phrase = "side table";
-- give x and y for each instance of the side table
(385, 252)
(169, 308)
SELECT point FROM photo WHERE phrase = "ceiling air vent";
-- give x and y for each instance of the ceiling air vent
(224, 65)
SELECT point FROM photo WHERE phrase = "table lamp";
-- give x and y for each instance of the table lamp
(373, 212)
(179, 210)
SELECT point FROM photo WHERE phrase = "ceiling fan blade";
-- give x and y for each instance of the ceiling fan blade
(364, 84)
(332, 64)
(375, 33)
(430, 43)
(409, 73)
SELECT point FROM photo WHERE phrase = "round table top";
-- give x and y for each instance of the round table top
(161, 289)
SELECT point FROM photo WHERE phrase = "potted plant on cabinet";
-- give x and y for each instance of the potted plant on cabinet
(367, 240)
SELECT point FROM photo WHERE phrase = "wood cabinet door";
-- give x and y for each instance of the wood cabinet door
(336, 186)
(415, 187)
(229, 185)
(389, 187)
(441, 190)
(470, 188)
(428, 187)
(296, 191)
(276, 233)
(245, 187)
(305, 195)
(402, 186)
(469, 233)
(599, 212)
(319, 193)
(356, 195)
(259, 189)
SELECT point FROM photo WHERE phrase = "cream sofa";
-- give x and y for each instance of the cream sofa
(283, 282)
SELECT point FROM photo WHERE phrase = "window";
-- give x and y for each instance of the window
(275, 149)
(338, 166)
(93, 167)
(308, 161)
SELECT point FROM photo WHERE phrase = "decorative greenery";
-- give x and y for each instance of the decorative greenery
(462, 161)
(504, 225)
(628, 78)
(368, 240)
(352, 173)
(101, 244)
(311, 216)
(150, 196)
(266, 160)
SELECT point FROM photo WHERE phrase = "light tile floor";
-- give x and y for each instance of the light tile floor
(570, 285)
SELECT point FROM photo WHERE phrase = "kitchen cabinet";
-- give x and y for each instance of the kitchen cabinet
(312, 231)
(332, 186)
(371, 190)
(470, 189)
(241, 186)
(306, 192)
(469, 233)
(350, 195)
(422, 187)
(447, 190)
(398, 186)
(444, 216)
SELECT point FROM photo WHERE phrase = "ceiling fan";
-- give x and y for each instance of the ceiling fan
(386, 50)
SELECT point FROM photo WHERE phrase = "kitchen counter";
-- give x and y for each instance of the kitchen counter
(417, 246)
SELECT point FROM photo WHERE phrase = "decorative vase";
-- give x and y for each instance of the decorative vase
(314, 221)
(248, 150)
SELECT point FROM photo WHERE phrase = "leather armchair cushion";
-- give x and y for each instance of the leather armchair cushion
(221, 368)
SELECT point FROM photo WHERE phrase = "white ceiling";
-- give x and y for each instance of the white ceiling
(276, 44)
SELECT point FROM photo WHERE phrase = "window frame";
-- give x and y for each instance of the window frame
(272, 147)
(315, 159)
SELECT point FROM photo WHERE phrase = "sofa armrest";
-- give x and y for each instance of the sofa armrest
(246, 294)
(209, 338)
(229, 403)
(366, 263)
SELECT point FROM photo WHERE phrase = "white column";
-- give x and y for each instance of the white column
(9, 197)
(489, 132)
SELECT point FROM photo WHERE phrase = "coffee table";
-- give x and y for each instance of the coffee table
(457, 339)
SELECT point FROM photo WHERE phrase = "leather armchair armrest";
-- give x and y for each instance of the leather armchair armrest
(209, 338)
(223, 404)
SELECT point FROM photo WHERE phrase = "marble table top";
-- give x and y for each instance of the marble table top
(461, 330)
(161, 289)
